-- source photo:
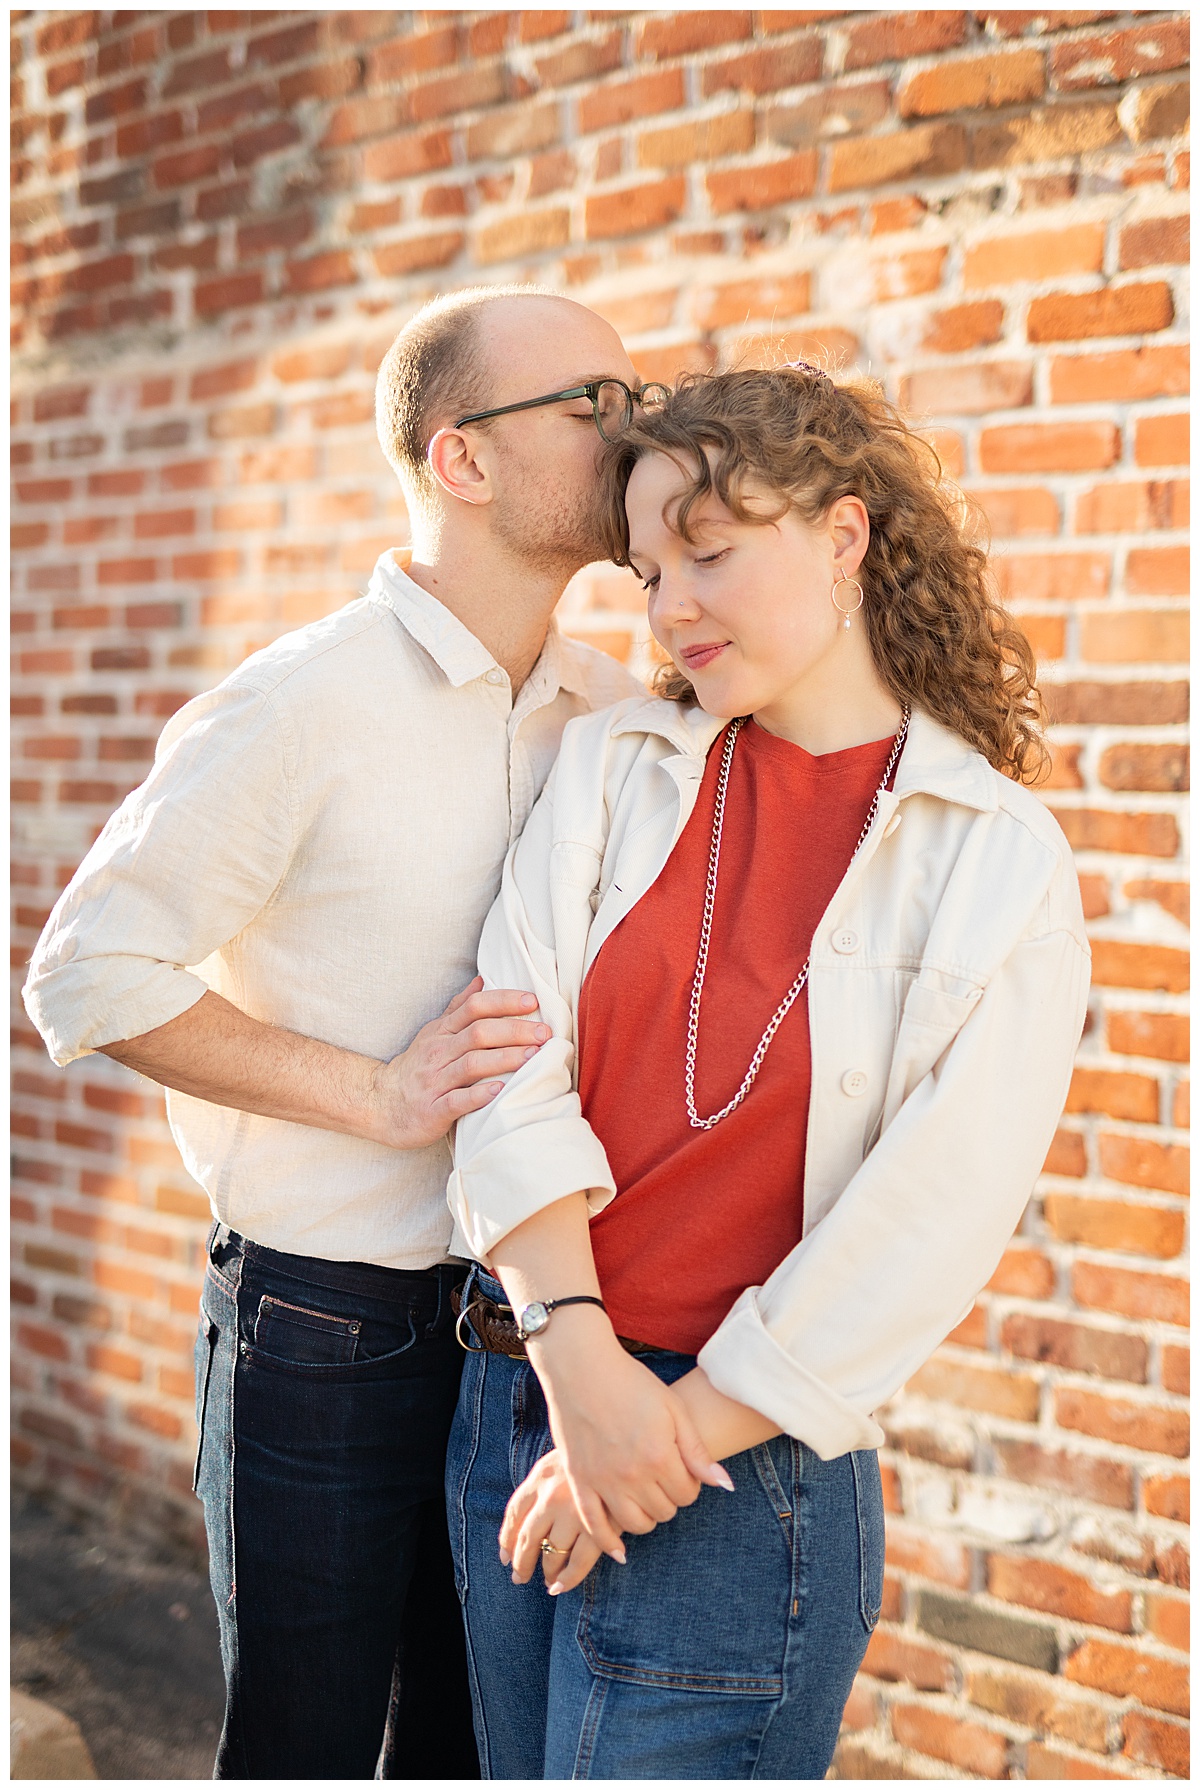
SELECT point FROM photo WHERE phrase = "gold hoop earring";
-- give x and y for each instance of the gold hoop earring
(837, 585)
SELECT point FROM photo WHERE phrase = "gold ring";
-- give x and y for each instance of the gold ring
(549, 1548)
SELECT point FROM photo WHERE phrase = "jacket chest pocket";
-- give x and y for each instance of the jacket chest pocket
(931, 1019)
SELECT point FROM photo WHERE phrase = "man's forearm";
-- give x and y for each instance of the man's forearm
(216, 1052)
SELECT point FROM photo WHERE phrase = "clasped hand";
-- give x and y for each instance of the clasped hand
(627, 1456)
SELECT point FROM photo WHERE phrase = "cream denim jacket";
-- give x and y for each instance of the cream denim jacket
(946, 997)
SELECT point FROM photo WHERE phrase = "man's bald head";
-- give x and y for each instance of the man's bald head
(444, 364)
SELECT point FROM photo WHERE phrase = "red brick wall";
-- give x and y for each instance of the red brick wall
(221, 219)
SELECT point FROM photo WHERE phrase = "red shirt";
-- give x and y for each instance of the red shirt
(701, 1215)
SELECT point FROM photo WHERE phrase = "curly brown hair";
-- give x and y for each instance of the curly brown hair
(939, 637)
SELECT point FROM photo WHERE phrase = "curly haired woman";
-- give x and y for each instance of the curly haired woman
(815, 968)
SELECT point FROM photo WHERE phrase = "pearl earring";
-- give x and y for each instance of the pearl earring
(837, 585)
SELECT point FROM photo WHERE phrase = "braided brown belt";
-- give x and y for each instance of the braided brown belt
(496, 1328)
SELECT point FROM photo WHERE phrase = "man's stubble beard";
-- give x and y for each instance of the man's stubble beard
(552, 532)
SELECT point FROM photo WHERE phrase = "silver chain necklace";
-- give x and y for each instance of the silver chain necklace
(710, 896)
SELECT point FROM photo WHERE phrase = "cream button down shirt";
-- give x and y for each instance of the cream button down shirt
(320, 840)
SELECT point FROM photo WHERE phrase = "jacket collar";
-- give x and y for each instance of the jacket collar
(935, 761)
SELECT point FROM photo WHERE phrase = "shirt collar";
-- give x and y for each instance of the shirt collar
(451, 645)
(935, 760)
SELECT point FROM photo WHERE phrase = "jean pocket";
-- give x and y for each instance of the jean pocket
(206, 1348)
(868, 1504)
(704, 1602)
(304, 1336)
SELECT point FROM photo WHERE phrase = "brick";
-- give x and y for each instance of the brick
(895, 37)
(1114, 1354)
(1167, 1620)
(632, 209)
(1114, 1224)
(1156, 370)
(759, 185)
(1154, 242)
(963, 327)
(1157, 1743)
(1007, 78)
(1034, 255)
(621, 102)
(1035, 1702)
(996, 1390)
(786, 295)
(833, 111)
(1142, 635)
(1142, 1162)
(766, 70)
(1157, 110)
(1126, 1672)
(1085, 1476)
(1052, 1762)
(1117, 963)
(1048, 134)
(940, 1735)
(321, 272)
(1049, 447)
(898, 1659)
(225, 294)
(1119, 56)
(1094, 829)
(1176, 1370)
(968, 390)
(925, 150)
(242, 421)
(416, 253)
(680, 34)
(1132, 508)
(1044, 1585)
(709, 139)
(1167, 1495)
(1158, 572)
(1162, 1035)
(581, 61)
(368, 116)
(1023, 1271)
(929, 1557)
(1113, 311)
(1161, 441)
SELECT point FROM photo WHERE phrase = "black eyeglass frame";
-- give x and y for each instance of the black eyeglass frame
(590, 391)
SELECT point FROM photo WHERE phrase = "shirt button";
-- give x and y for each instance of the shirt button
(845, 941)
(495, 675)
(854, 1083)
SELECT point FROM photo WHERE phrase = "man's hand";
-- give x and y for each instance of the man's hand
(446, 1070)
(215, 1052)
(630, 1450)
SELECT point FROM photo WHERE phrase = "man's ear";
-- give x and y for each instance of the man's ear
(455, 465)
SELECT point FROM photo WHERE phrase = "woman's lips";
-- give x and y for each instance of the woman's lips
(696, 657)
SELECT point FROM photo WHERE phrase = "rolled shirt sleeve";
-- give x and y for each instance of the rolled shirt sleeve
(857, 1306)
(181, 867)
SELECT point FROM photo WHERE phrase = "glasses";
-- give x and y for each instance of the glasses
(611, 400)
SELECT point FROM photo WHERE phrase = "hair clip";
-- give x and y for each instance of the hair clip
(806, 366)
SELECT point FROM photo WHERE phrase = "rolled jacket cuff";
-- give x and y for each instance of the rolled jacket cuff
(744, 1361)
(522, 1174)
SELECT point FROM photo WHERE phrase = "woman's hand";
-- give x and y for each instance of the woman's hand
(630, 1450)
(541, 1509)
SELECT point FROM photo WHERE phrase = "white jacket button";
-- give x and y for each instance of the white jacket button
(854, 1083)
(495, 675)
(845, 941)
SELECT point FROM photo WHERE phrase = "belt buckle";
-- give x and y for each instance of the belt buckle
(465, 1312)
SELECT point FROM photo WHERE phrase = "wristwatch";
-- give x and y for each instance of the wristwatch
(534, 1317)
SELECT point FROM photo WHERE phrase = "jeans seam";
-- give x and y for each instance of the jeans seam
(589, 1729)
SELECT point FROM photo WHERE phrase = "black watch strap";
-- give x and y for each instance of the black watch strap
(549, 1305)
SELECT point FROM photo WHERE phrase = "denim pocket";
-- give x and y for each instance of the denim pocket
(304, 1336)
(206, 1345)
(703, 1604)
(868, 1504)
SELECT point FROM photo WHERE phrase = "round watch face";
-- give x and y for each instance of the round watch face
(535, 1317)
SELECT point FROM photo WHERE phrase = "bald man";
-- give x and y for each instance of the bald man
(320, 840)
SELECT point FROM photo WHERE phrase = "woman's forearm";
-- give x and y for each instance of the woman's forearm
(726, 1427)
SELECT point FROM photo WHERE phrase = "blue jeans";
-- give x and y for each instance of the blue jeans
(726, 1648)
(325, 1392)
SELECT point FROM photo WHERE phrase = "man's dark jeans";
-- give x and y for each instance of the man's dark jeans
(325, 1392)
